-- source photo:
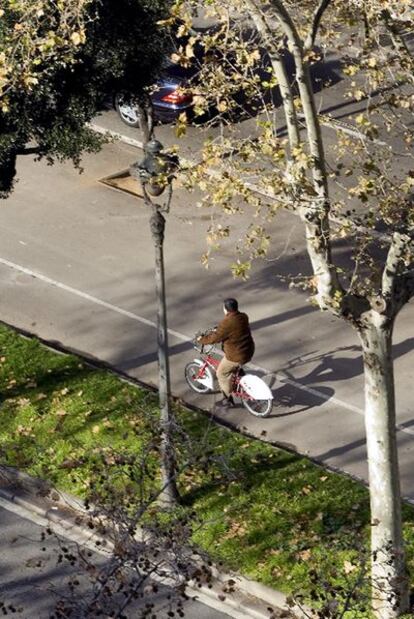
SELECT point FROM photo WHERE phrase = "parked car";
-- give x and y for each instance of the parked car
(170, 96)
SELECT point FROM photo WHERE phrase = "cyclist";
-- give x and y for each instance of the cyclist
(237, 343)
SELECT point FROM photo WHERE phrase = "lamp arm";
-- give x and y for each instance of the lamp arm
(166, 206)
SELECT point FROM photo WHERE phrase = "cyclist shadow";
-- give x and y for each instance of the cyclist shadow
(298, 400)
(291, 396)
(301, 395)
(285, 396)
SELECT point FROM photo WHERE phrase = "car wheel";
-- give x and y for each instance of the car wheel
(128, 112)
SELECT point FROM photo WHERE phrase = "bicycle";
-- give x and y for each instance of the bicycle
(251, 390)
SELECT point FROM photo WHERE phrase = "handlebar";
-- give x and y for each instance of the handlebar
(200, 347)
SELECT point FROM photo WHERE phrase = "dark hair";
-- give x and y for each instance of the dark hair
(231, 305)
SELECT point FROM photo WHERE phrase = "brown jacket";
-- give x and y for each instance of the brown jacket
(234, 332)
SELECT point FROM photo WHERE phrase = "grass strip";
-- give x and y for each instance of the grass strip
(269, 514)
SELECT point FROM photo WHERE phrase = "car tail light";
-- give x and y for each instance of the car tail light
(176, 97)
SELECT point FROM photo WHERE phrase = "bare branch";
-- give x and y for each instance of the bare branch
(267, 34)
(310, 39)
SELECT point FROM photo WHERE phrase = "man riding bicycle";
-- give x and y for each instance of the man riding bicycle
(237, 343)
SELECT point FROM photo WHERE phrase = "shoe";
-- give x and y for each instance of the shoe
(226, 402)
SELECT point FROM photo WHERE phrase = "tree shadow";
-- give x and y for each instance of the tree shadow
(324, 73)
(333, 368)
(292, 397)
(306, 392)
(245, 475)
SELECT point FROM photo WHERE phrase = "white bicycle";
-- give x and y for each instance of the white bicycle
(251, 390)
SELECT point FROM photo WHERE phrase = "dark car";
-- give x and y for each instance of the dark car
(170, 95)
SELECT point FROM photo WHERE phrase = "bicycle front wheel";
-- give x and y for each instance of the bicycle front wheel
(199, 384)
(258, 408)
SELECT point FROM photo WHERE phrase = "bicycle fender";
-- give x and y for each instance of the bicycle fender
(206, 380)
(256, 387)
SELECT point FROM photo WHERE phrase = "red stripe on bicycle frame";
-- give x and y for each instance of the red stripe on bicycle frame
(201, 370)
(213, 361)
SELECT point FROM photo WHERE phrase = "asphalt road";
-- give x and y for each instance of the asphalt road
(76, 266)
(33, 581)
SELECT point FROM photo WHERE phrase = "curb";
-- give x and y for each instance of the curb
(233, 594)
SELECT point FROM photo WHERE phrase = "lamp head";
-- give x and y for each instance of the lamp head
(156, 169)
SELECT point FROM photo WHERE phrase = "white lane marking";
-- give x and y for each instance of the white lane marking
(88, 297)
(118, 136)
(125, 139)
(184, 338)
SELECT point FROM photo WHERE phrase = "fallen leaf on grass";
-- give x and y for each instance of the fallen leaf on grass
(24, 431)
(40, 396)
(61, 413)
(275, 551)
(305, 555)
(349, 567)
(95, 429)
(72, 464)
(237, 529)
(2, 359)
(23, 401)
(276, 572)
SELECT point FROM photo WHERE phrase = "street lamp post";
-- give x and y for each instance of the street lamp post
(155, 173)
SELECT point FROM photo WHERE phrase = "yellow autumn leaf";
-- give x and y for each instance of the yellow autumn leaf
(349, 567)
(76, 38)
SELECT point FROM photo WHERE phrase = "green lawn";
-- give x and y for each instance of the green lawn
(265, 512)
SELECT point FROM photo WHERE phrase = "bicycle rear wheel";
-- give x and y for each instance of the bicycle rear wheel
(196, 382)
(258, 408)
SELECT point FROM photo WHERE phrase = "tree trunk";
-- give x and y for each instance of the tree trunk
(389, 580)
(146, 116)
(316, 215)
(7, 173)
(279, 70)
(169, 494)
